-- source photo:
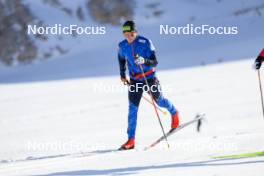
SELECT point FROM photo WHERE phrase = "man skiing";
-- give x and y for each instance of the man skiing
(137, 53)
(259, 60)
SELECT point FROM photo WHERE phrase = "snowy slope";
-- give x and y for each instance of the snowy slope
(96, 55)
(79, 125)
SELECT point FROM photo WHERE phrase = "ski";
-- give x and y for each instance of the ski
(122, 149)
(198, 118)
(242, 155)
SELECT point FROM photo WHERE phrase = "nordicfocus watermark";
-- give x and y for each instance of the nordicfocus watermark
(102, 87)
(59, 29)
(140, 86)
(64, 146)
(191, 29)
(201, 145)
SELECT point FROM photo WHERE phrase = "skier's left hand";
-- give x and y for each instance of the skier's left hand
(140, 60)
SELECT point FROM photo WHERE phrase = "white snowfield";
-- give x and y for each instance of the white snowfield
(69, 127)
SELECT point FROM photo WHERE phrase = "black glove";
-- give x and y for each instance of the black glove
(124, 80)
(257, 64)
(259, 60)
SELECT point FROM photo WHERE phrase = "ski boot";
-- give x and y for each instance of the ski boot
(130, 144)
(175, 120)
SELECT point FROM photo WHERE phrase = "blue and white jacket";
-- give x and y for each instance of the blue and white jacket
(127, 53)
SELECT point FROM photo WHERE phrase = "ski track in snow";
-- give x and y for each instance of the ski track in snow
(71, 111)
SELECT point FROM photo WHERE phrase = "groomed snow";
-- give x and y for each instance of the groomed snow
(84, 123)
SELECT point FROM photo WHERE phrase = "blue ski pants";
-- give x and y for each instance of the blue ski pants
(135, 92)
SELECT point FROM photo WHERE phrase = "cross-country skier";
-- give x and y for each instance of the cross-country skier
(134, 52)
(259, 60)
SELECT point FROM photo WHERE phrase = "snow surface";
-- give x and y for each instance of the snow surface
(91, 122)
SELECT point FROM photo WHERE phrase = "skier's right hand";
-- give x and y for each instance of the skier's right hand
(124, 80)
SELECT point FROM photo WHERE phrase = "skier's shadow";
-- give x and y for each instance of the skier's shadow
(134, 170)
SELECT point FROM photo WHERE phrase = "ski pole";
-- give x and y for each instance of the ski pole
(163, 112)
(261, 94)
(156, 111)
(151, 96)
